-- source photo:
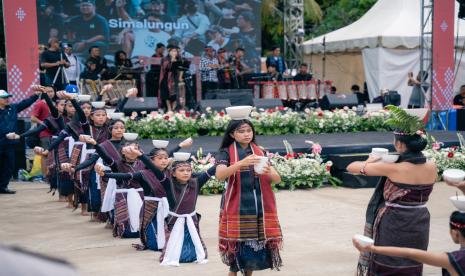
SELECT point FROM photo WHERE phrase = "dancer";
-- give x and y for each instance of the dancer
(249, 233)
(397, 213)
(452, 263)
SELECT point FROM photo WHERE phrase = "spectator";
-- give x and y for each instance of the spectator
(277, 60)
(121, 60)
(217, 39)
(417, 98)
(100, 62)
(90, 73)
(52, 59)
(459, 99)
(89, 28)
(362, 97)
(303, 74)
(209, 67)
(229, 21)
(49, 23)
(193, 38)
(246, 38)
(8, 125)
(74, 69)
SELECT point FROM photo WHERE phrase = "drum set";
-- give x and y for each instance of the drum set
(292, 90)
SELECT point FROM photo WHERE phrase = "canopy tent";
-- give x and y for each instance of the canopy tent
(381, 48)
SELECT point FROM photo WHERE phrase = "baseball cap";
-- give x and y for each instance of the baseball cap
(4, 94)
(71, 88)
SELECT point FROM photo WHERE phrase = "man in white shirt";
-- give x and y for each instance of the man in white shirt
(74, 69)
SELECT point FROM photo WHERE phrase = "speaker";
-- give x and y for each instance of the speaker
(392, 97)
(267, 103)
(236, 96)
(216, 105)
(333, 101)
(148, 104)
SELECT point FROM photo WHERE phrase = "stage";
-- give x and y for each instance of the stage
(332, 143)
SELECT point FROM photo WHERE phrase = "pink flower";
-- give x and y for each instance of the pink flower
(281, 108)
(328, 168)
(436, 146)
(316, 149)
(154, 114)
(346, 108)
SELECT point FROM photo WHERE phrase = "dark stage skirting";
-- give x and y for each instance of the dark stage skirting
(332, 143)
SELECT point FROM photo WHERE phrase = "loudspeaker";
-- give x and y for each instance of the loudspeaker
(267, 103)
(148, 104)
(216, 105)
(236, 96)
(391, 97)
(333, 101)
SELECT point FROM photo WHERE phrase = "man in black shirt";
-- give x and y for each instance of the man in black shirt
(52, 59)
(100, 62)
(153, 76)
(89, 28)
(459, 99)
(303, 74)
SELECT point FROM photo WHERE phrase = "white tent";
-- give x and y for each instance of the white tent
(381, 48)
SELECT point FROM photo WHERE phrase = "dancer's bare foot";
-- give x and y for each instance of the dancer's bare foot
(108, 225)
(85, 213)
(69, 205)
(62, 199)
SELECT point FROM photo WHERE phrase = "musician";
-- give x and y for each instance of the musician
(90, 73)
(171, 78)
(224, 72)
(273, 74)
(122, 63)
(276, 60)
(209, 66)
(240, 68)
(98, 60)
(303, 74)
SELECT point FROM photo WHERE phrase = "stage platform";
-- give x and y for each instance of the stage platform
(332, 143)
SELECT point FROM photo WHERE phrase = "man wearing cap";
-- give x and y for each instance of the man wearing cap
(8, 126)
(74, 69)
(209, 66)
(89, 28)
(52, 59)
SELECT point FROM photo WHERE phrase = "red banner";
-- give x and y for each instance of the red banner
(443, 54)
(22, 55)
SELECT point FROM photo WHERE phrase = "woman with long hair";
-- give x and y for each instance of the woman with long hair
(250, 235)
(397, 213)
(170, 78)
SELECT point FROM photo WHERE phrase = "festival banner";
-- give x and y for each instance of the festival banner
(443, 55)
(22, 56)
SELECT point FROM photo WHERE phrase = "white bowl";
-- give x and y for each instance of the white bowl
(111, 110)
(453, 175)
(459, 202)
(389, 158)
(239, 112)
(130, 136)
(181, 156)
(98, 104)
(379, 151)
(364, 240)
(83, 98)
(116, 115)
(160, 144)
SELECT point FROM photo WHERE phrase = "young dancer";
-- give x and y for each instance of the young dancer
(249, 232)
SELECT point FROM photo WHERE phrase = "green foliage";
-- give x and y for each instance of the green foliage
(402, 121)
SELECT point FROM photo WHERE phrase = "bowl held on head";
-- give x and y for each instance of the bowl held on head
(130, 136)
(181, 156)
(453, 175)
(379, 152)
(83, 98)
(389, 158)
(459, 202)
(111, 110)
(98, 104)
(116, 115)
(160, 144)
(239, 112)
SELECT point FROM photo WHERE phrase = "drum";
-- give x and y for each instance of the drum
(302, 90)
(282, 90)
(292, 91)
(311, 90)
(268, 90)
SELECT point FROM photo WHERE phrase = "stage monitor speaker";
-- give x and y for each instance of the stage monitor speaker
(391, 98)
(267, 103)
(216, 105)
(236, 96)
(147, 104)
(333, 101)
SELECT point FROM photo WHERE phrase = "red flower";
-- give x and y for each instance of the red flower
(221, 113)
(328, 168)
(320, 113)
(281, 108)
(454, 148)
(270, 111)
(289, 156)
(166, 117)
(450, 154)
(187, 114)
(300, 154)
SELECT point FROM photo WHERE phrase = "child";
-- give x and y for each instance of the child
(452, 263)
(249, 231)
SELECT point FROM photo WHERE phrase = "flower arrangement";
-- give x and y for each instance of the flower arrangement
(446, 158)
(201, 164)
(266, 122)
